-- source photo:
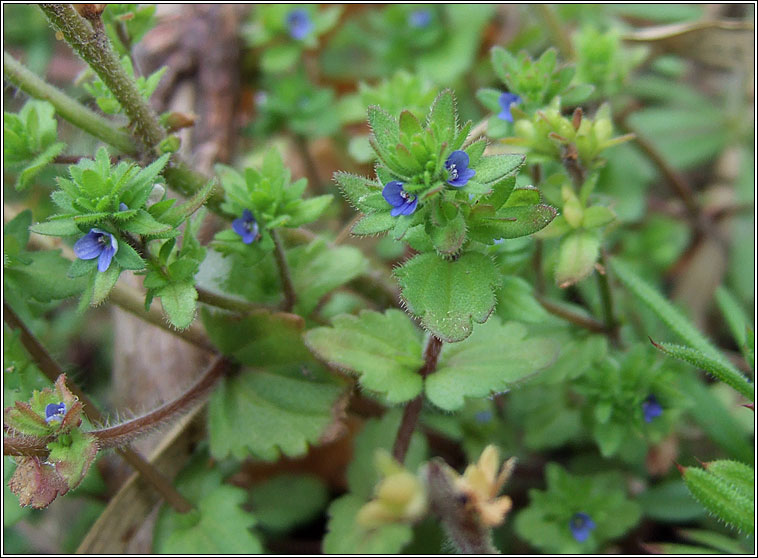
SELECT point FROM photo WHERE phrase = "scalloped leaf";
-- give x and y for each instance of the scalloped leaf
(472, 368)
(449, 295)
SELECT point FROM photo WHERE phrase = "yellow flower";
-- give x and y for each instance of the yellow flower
(399, 497)
(482, 482)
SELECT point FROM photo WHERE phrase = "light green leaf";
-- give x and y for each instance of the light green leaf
(179, 300)
(38, 163)
(722, 498)
(317, 270)
(493, 168)
(716, 368)
(56, 227)
(145, 224)
(384, 350)
(307, 211)
(472, 368)
(45, 277)
(127, 257)
(670, 502)
(374, 223)
(104, 283)
(448, 295)
(576, 260)
(512, 222)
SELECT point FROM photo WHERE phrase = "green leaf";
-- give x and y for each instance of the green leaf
(104, 283)
(356, 189)
(512, 222)
(577, 256)
(218, 524)
(45, 278)
(597, 216)
(374, 223)
(127, 257)
(472, 368)
(715, 540)
(665, 310)
(670, 502)
(443, 117)
(56, 227)
(721, 498)
(33, 168)
(176, 215)
(318, 269)
(258, 338)
(345, 536)
(279, 58)
(179, 300)
(288, 500)
(384, 350)
(145, 224)
(448, 295)
(266, 413)
(493, 168)
(307, 211)
(716, 368)
(385, 132)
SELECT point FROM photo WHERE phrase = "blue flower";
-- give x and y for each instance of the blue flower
(651, 408)
(457, 167)
(55, 412)
(97, 244)
(401, 201)
(506, 100)
(123, 207)
(419, 18)
(581, 526)
(299, 24)
(483, 416)
(246, 226)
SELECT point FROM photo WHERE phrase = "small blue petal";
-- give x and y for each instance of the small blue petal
(123, 207)
(506, 100)
(55, 412)
(246, 226)
(392, 192)
(483, 416)
(581, 525)
(419, 18)
(104, 261)
(457, 167)
(299, 24)
(89, 246)
(651, 408)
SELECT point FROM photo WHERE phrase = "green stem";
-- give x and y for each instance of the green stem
(66, 107)
(93, 46)
(284, 273)
(227, 303)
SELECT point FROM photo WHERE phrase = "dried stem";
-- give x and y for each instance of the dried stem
(52, 370)
(65, 106)
(413, 408)
(284, 273)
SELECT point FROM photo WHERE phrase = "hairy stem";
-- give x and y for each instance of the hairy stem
(284, 273)
(227, 303)
(66, 107)
(413, 408)
(52, 371)
(121, 434)
(93, 46)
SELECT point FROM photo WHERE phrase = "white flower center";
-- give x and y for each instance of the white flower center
(453, 172)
